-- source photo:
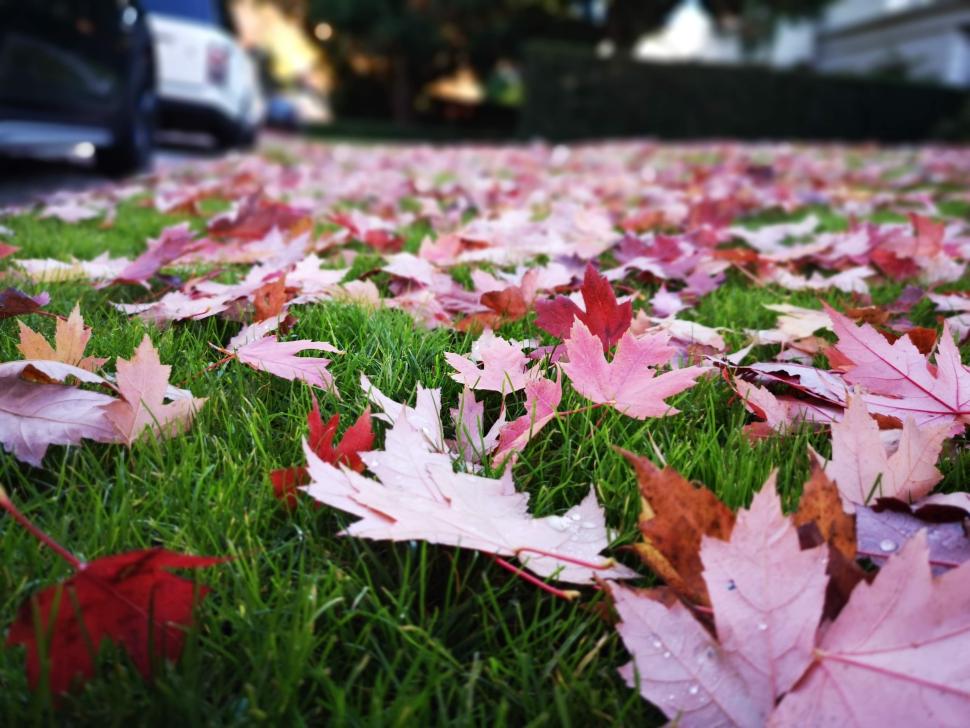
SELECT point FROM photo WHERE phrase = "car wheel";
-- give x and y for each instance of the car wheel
(237, 136)
(134, 138)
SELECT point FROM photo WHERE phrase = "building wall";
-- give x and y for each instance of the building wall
(932, 40)
(930, 37)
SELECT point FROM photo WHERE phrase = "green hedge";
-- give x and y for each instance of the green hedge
(572, 94)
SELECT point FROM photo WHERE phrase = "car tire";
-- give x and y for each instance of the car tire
(134, 138)
(237, 136)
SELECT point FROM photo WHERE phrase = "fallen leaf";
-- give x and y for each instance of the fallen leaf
(280, 359)
(862, 469)
(472, 440)
(70, 340)
(542, 397)
(628, 383)
(678, 666)
(899, 653)
(767, 594)
(419, 496)
(674, 517)
(821, 506)
(174, 242)
(34, 416)
(900, 380)
(17, 303)
(269, 299)
(143, 383)
(882, 532)
(504, 366)
(358, 438)
(129, 598)
(603, 316)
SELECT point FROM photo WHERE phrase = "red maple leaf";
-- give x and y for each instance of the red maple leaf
(255, 216)
(17, 303)
(603, 316)
(358, 438)
(129, 598)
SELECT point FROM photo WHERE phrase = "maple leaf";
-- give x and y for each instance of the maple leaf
(142, 381)
(628, 383)
(419, 496)
(472, 441)
(900, 380)
(37, 413)
(359, 437)
(675, 516)
(279, 358)
(174, 242)
(821, 519)
(425, 415)
(176, 306)
(269, 300)
(678, 666)
(898, 654)
(767, 595)
(882, 531)
(542, 397)
(129, 598)
(503, 366)
(255, 216)
(603, 316)
(781, 412)
(70, 340)
(862, 469)
(17, 303)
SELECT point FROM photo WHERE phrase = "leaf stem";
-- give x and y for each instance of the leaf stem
(602, 566)
(519, 571)
(579, 410)
(20, 518)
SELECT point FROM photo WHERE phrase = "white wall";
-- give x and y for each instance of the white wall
(933, 45)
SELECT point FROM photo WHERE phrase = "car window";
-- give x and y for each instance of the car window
(205, 11)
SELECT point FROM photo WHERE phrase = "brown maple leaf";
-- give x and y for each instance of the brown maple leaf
(71, 338)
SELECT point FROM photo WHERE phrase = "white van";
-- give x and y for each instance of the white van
(206, 81)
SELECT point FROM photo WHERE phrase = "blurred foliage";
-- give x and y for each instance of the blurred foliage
(385, 51)
(571, 94)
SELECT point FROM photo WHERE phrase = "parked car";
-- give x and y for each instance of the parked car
(77, 74)
(206, 81)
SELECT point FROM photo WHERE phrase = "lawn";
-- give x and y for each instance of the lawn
(303, 626)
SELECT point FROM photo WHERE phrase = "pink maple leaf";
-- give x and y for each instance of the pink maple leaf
(170, 245)
(767, 596)
(38, 413)
(629, 383)
(862, 469)
(898, 653)
(900, 380)
(472, 440)
(542, 397)
(419, 496)
(280, 359)
(503, 366)
(143, 384)
(678, 666)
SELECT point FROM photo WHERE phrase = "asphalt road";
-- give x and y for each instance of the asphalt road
(25, 179)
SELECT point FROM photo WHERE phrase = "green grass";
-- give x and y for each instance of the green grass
(303, 627)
